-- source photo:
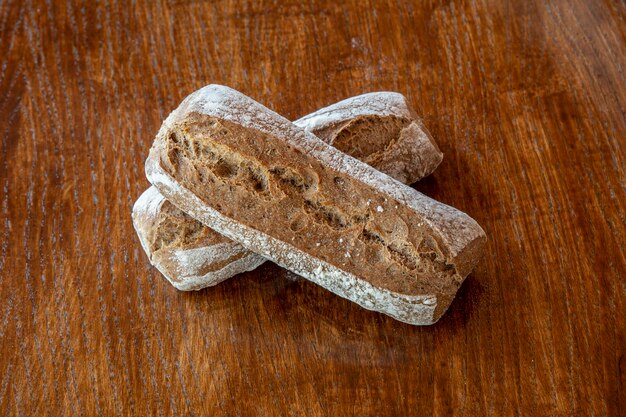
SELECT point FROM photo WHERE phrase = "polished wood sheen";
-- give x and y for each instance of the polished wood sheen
(527, 100)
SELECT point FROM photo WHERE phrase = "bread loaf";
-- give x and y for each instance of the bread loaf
(380, 129)
(193, 256)
(189, 254)
(266, 183)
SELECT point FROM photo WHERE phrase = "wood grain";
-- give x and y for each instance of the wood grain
(527, 99)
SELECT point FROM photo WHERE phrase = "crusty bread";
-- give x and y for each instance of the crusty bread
(258, 179)
(380, 129)
(190, 255)
(193, 256)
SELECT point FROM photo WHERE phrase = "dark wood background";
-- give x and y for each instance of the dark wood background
(526, 98)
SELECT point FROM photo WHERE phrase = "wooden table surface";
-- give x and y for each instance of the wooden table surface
(527, 100)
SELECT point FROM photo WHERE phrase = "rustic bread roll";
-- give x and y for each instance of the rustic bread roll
(381, 130)
(193, 257)
(189, 254)
(258, 179)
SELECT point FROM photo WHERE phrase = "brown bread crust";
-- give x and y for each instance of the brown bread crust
(371, 126)
(255, 177)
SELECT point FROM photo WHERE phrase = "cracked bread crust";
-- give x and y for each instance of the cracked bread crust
(380, 129)
(286, 195)
(190, 255)
(194, 257)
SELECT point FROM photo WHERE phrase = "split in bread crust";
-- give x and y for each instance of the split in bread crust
(260, 180)
(370, 127)
(189, 254)
(380, 129)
